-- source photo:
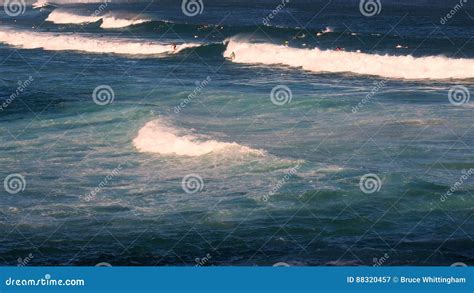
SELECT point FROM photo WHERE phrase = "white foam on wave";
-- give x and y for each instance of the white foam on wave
(316, 60)
(159, 137)
(328, 30)
(40, 4)
(60, 16)
(43, 3)
(78, 42)
(66, 2)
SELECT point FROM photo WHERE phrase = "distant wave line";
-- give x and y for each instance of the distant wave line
(80, 42)
(108, 20)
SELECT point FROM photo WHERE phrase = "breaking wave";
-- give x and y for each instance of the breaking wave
(77, 42)
(159, 137)
(316, 60)
(108, 20)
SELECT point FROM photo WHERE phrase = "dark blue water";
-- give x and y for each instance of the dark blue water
(183, 154)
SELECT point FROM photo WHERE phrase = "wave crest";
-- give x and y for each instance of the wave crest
(108, 20)
(158, 137)
(316, 60)
(76, 42)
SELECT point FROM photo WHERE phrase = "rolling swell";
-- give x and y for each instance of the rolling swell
(319, 61)
(79, 42)
(61, 16)
(107, 21)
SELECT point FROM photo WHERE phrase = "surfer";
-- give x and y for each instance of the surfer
(302, 36)
(232, 56)
(174, 47)
(340, 49)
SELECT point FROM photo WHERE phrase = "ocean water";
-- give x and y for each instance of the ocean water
(253, 141)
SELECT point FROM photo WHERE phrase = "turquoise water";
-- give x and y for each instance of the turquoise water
(104, 183)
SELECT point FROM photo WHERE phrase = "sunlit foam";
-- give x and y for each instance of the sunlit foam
(316, 60)
(159, 137)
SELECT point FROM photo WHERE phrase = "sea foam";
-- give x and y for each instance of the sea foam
(159, 137)
(60, 16)
(316, 60)
(78, 42)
